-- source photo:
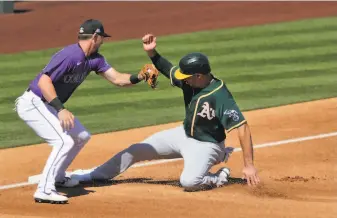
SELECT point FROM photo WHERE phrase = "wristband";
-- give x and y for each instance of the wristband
(57, 104)
(134, 79)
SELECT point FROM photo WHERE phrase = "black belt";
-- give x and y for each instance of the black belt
(28, 90)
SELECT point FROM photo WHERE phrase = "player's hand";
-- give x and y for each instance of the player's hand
(250, 174)
(66, 119)
(141, 76)
(149, 42)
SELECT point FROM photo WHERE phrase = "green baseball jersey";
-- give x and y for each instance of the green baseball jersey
(209, 111)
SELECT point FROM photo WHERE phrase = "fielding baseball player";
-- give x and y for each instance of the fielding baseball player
(210, 111)
(42, 105)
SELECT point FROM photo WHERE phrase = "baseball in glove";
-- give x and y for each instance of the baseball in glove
(150, 75)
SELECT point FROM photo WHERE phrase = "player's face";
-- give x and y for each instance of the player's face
(97, 41)
(194, 81)
(197, 81)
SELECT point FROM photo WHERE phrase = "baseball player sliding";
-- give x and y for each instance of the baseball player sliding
(42, 108)
(210, 111)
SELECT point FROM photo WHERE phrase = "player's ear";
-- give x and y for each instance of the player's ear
(94, 37)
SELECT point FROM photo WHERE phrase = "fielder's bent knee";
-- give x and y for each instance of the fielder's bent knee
(68, 141)
(83, 137)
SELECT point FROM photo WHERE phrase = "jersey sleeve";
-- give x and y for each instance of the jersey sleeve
(57, 66)
(174, 81)
(100, 64)
(231, 116)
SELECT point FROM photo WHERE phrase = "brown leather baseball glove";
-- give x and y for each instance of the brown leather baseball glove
(150, 75)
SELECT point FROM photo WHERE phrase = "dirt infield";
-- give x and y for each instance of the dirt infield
(53, 24)
(299, 178)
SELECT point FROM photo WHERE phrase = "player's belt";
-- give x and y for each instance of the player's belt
(28, 90)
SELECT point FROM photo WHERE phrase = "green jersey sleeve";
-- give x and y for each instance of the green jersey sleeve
(231, 116)
(167, 69)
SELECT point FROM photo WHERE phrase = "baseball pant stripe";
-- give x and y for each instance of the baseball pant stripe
(44, 188)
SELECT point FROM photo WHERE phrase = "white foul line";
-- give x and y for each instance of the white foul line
(34, 179)
(16, 185)
(307, 138)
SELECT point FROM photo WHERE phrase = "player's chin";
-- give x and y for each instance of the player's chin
(97, 49)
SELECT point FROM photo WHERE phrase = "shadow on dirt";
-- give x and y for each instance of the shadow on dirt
(81, 190)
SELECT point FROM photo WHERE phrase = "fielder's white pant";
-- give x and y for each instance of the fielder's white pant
(43, 119)
(198, 157)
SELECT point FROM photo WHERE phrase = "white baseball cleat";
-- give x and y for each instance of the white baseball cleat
(81, 175)
(223, 175)
(67, 183)
(53, 198)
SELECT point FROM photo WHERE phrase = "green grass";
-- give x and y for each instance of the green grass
(263, 66)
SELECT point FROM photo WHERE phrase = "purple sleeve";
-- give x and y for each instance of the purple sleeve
(100, 65)
(58, 65)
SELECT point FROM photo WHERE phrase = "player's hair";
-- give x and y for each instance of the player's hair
(84, 36)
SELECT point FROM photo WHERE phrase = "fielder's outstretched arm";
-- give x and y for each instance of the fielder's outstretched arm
(121, 79)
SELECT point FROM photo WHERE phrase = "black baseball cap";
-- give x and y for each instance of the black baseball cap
(191, 64)
(92, 26)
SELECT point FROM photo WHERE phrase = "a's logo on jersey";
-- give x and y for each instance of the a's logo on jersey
(232, 114)
(207, 111)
